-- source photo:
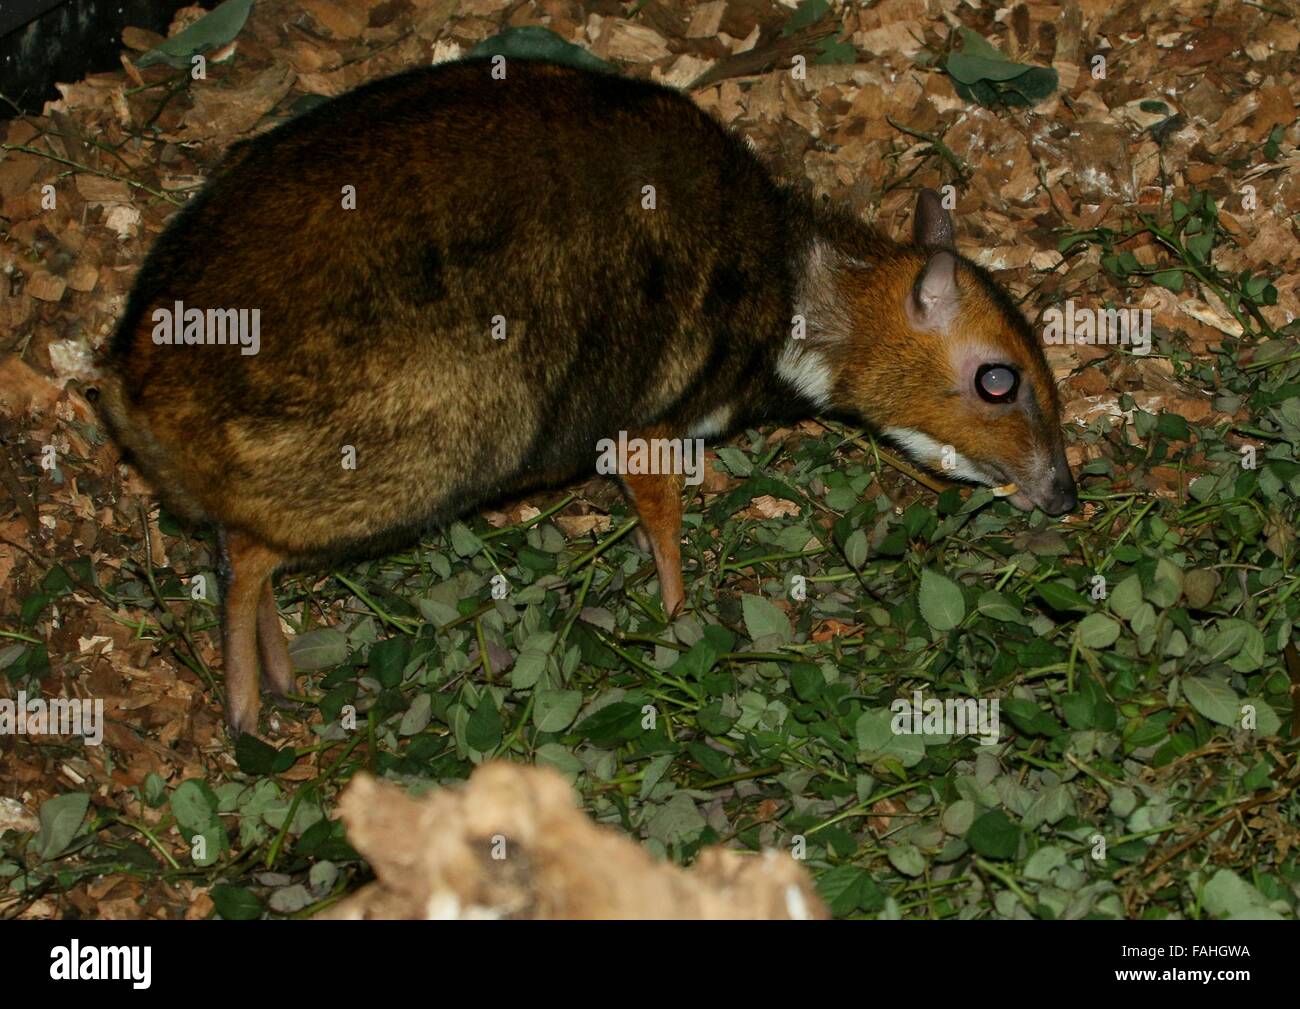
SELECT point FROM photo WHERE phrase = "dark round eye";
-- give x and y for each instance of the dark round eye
(997, 383)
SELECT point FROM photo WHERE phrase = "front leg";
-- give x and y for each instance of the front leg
(657, 498)
(247, 566)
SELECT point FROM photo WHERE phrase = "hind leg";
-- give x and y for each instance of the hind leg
(271, 646)
(248, 565)
(657, 499)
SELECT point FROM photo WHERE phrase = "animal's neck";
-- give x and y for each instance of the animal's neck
(840, 266)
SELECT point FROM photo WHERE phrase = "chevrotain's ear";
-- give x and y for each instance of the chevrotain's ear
(934, 298)
(931, 225)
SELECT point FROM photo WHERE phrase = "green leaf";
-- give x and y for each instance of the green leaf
(331, 705)
(996, 605)
(1251, 656)
(1267, 722)
(982, 73)
(554, 710)
(1144, 620)
(531, 663)
(322, 648)
(154, 791)
(1060, 597)
(737, 463)
(1226, 639)
(464, 542)
(907, 859)
(56, 581)
(1171, 279)
(677, 821)
(699, 658)
(713, 763)
(535, 560)
(975, 44)
(847, 888)
(1034, 85)
(1097, 630)
(994, 835)
(941, 602)
(326, 839)
(194, 805)
(234, 903)
(1228, 895)
(958, 817)
(532, 42)
(1078, 711)
(1029, 717)
(713, 721)
(970, 69)
(807, 681)
(1200, 245)
(558, 756)
(1167, 581)
(253, 755)
(835, 51)
(417, 717)
(1258, 777)
(210, 32)
(388, 659)
(855, 549)
(60, 817)
(1044, 862)
(808, 13)
(763, 618)
(613, 724)
(483, 730)
(1126, 599)
(1214, 699)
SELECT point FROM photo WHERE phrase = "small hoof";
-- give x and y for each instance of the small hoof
(243, 718)
(280, 683)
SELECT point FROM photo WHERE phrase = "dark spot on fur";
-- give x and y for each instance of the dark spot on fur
(655, 284)
(728, 284)
(479, 245)
(425, 275)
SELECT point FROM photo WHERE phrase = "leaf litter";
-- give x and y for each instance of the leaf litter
(1142, 651)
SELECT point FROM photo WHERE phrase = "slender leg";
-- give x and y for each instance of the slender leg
(641, 539)
(276, 666)
(247, 568)
(657, 499)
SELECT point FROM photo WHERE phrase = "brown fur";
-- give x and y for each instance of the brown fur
(912, 382)
(479, 198)
(657, 499)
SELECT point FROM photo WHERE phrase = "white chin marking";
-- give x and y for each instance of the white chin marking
(926, 450)
(711, 425)
(807, 372)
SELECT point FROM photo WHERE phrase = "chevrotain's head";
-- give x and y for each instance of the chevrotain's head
(938, 358)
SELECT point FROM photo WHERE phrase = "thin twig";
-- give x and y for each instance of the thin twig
(924, 479)
(92, 171)
(964, 171)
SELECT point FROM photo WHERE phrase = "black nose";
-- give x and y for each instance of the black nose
(1064, 495)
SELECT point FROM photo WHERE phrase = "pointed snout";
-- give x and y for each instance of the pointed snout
(1056, 492)
(1063, 496)
(1052, 489)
